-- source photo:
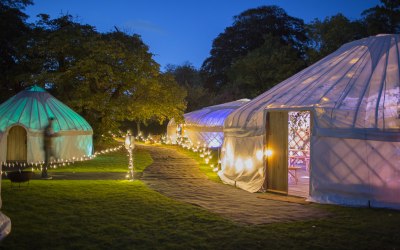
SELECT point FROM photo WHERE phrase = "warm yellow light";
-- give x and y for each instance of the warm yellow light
(268, 152)
(354, 60)
(239, 165)
(249, 164)
(259, 155)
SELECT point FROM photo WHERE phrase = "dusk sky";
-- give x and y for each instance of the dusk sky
(179, 31)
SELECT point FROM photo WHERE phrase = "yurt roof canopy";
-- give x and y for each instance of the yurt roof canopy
(33, 107)
(213, 116)
(356, 87)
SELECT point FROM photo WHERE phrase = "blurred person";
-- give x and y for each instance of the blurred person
(48, 147)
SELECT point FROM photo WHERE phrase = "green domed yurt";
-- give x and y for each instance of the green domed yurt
(23, 118)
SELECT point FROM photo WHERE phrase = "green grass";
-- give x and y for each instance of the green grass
(111, 162)
(205, 168)
(108, 214)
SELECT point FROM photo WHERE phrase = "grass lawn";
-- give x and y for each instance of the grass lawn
(205, 168)
(105, 214)
(111, 162)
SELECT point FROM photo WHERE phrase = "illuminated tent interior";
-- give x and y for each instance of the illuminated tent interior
(204, 126)
(23, 118)
(331, 130)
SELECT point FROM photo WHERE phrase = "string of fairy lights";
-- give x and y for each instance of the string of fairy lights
(55, 163)
(202, 149)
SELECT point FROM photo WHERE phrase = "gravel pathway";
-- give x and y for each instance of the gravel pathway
(178, 176)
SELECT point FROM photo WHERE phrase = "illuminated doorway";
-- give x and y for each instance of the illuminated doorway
(288, 140)
(299, 135)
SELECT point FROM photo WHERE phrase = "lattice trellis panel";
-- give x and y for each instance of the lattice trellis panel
(299, 131)
(299, 140)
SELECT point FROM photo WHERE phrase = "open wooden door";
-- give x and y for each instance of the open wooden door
(16, 144)
(277, 143)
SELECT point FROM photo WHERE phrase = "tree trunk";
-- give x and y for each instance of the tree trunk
(138, 127)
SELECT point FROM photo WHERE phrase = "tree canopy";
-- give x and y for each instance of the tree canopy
(111, 78)
(265, 45)
(248, 33)
(188, 77)
(328, 35)
(15, 37)
(107, 77)
(262, 68)
(383, 18)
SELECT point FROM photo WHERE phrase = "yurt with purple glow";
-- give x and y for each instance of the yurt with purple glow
(204, 126)
(330, 133)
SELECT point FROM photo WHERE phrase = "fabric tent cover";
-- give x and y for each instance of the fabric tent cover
(205, 125)
(31, 109)
(354, 97)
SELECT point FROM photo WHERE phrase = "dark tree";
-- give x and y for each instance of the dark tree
(246, 34)
(331, 33)
(15, 36)
(189, 78)
(261, 69)
(383, 18)
(108, 78)
(16, 4)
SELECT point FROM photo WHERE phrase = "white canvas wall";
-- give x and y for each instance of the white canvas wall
(355, 172)
(353, 95)
(205, 126)
(242, 162)
(65, 146)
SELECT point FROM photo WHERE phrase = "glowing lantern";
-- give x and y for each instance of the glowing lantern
(268, 152)
(259, 155)
(249, 164)
(239, 165)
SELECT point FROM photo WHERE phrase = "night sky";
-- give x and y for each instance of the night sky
(179, 31)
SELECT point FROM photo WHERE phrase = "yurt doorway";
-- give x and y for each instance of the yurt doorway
(16, 144)
(288, 150)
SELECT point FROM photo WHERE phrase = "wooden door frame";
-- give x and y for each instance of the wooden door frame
(26, 141)
(267, 128)
(279, 175)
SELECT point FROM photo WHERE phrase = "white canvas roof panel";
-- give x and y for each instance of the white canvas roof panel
(353, 96)
(356, 87)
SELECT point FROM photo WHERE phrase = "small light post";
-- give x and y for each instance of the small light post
(130, 146)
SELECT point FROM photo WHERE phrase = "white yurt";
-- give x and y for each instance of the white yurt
(23, 118)
(330, 132)
(204, 126)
